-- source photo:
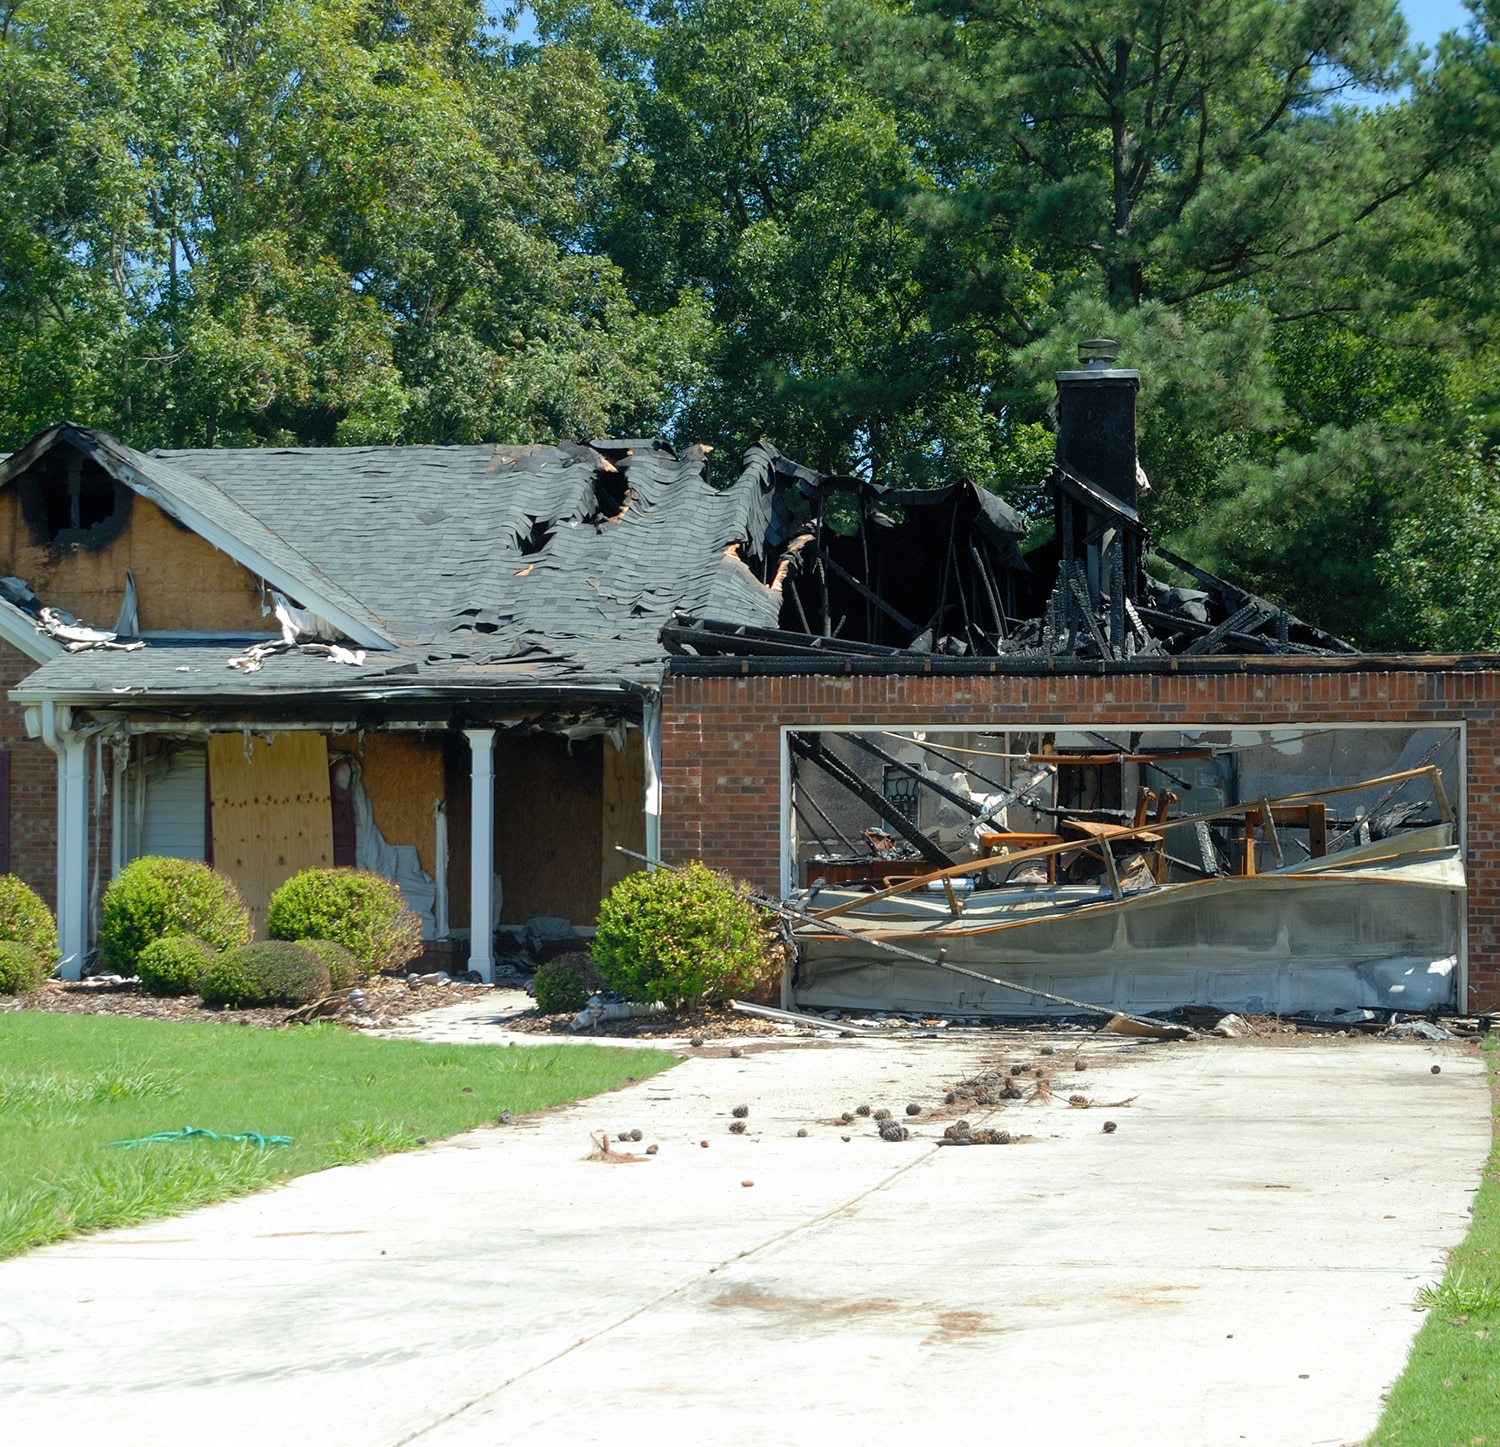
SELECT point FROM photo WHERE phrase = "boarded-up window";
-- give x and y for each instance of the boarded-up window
(271, 812)
(624, 809)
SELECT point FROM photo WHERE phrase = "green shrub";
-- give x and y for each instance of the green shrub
(343, 969)
(563, 985)
(21, 968)
(155, 898)
(26, 920)
(362, 911)
(273, 972)
(679, 935)
(174, 965)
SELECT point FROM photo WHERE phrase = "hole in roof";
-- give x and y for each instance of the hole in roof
(537, 539)
(610, 489)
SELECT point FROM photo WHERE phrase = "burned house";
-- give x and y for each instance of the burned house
(480, 669)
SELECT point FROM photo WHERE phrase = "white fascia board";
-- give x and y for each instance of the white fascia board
(19, 629)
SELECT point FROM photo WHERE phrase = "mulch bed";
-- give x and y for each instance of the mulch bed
(709, 1022)
(386, 1001)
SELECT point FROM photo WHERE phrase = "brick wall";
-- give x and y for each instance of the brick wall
(33, 786)
(721, 766)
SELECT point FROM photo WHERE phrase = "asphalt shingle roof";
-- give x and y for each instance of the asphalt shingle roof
(483, 565)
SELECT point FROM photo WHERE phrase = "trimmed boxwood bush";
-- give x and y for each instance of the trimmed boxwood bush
(174, 966)
(25, 919)
(565, 984)
(154, 898)
(355, 908)
(679, 935)
(273, 972)
(21, 968)
(343, 971)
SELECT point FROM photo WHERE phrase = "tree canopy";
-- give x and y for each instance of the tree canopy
(868, 229)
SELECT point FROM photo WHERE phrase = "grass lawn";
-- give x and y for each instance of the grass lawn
(70, 1084)
(1449, 1394)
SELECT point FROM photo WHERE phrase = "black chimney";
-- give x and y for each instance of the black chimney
(1096, 419)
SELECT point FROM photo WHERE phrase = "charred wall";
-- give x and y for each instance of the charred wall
(183, 583)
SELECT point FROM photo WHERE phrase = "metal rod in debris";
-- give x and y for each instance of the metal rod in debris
(793, 1017)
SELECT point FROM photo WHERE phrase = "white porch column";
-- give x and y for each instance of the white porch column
(651, 739)
(482, 852)
(72, 837)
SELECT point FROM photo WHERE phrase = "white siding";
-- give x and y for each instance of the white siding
(173, 818)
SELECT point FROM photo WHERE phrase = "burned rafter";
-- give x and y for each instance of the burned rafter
(840, 772)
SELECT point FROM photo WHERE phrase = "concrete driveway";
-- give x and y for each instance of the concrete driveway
(1235, 1264)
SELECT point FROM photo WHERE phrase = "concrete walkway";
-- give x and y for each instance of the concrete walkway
(1235, 1264)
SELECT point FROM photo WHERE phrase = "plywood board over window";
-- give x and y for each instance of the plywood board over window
(271, 811)
(548, 807)
(624, 809)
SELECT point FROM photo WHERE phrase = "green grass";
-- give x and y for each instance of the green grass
(1449, 1394)
(71, 1084)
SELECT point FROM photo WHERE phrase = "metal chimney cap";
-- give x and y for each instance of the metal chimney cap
(1100, 352)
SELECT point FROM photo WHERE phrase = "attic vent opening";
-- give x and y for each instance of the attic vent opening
(68, 500)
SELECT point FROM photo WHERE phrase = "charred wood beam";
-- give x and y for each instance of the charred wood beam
(694, 640)
(1117, 596)
(841, 773)
(733, 638)
(817, 552)
(864, 550)
(982, 568)
(864, 592)
(912, 771)
(1175, 625)
(1086, 610)
(1245, 620)
(791, 587)
(822, 814)
(1230, 596)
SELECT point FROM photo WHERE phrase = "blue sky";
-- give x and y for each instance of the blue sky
(1428, 19)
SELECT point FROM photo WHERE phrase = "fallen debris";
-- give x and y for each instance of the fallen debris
(1145, 1029)
(1417, 1030)
(603, 1151)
